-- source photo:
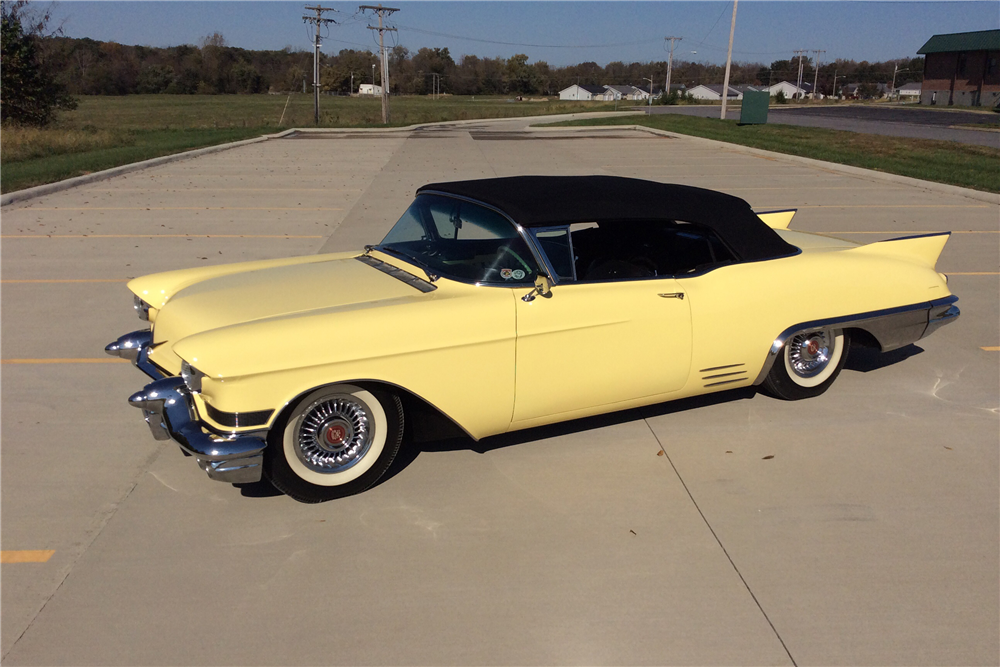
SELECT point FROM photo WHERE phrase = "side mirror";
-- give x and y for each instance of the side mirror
(542, 288)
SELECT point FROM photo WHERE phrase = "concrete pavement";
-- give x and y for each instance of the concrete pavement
(666, 535)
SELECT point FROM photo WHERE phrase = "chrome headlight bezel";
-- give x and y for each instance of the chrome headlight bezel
(141, 308)
(192, 377)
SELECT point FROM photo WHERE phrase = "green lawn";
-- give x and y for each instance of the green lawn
(976, 167)
(105, 132)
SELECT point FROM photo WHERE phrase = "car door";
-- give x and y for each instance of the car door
(595, 344)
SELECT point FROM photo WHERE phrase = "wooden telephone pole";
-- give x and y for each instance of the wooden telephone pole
(320, 22)
(382, 12)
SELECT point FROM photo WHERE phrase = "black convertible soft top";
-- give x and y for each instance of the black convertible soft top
(541, 201)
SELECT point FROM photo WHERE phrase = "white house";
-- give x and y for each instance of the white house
(576, 92)
(909, 92)
(619, 92)
(369, 89)
(713, 92)
(790, 90)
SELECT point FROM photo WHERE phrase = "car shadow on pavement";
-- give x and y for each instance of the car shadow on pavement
(866, 359)
(410, 451)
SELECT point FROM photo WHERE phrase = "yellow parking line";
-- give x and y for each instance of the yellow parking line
(156, 236)
(990, 349)
(74, 280)
(185, 208)
(885, 206)
(957, 231)
(41, 556)
(109, 360)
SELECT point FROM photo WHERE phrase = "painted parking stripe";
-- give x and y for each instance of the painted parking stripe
(109, 360)
(156, 236)
(185, 208)
(69, 280)
(958, 231)
(40, 556)
(990, 349)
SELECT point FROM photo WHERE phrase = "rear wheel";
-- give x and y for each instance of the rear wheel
(808, 364)
(337, 441)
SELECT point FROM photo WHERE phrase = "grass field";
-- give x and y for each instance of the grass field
(105, 132)
(976, 167)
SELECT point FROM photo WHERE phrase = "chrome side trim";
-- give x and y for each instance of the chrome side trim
(893, 328)
(395, 272)
(166, 406)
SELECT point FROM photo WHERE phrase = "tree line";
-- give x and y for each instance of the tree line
(52, 68)
(89, 67)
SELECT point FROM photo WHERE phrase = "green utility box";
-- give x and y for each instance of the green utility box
(754, 109)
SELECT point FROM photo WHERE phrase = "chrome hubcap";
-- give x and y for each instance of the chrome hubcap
(809, 353)
(334, 433)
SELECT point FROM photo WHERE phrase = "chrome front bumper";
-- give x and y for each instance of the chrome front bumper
(168, 408)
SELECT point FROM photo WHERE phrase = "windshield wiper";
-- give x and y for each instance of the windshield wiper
(389, 250)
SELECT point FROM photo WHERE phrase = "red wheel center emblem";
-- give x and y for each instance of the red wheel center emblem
(813, 346)
(335, 435)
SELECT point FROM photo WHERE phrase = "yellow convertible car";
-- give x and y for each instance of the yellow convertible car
(501, 304)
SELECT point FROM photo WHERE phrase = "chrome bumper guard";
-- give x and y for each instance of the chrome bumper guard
(168, 408)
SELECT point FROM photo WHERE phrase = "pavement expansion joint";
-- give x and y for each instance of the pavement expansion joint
(719, 541)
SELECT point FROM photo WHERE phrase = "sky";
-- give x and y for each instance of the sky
(560, 33)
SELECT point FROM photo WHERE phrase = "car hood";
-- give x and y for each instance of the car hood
(277, 292)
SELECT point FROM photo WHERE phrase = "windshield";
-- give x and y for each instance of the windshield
(461, 240)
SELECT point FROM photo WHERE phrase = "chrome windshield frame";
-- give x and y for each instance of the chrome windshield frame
(540, 257)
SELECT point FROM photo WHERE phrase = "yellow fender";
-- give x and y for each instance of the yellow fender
(924, 249)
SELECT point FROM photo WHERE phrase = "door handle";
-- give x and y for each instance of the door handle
(672, 295)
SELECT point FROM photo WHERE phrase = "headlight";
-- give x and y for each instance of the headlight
(192, 377)
(141, 309)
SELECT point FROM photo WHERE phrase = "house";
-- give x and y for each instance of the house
(369, 89)
(790, 90)
(643, 92)
(870, 91)
(619, 92)
(713, 92)
(909, 92)
(577, 92)
(961, 68)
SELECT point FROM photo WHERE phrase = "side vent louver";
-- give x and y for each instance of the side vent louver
(716, 375)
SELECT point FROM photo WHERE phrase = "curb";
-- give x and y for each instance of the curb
(931, 186)
(59, 186)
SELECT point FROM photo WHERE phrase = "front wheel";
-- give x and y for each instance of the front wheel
(337, 441)
(808, 364)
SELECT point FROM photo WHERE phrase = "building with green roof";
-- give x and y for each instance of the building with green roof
(961, 68)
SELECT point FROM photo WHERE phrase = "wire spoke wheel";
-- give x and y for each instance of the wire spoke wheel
(809, 363)
(335, 442)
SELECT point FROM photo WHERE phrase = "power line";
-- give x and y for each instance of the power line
(537, 46)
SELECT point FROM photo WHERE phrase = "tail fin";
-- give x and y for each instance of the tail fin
(923, 249)
(777, 219)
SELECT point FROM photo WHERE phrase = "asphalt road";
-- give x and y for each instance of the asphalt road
(856, 528)
(894, 121)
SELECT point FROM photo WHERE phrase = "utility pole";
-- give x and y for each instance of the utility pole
(670, 62)
(816, 79)
(729, 62)
(834, 91)
(320, 22)
(798, 83)
(650, 90)
(382, 12)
